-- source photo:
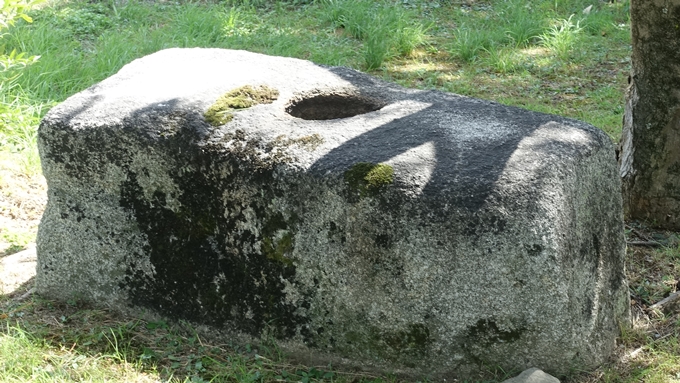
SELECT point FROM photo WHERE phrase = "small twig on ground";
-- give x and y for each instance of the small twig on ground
(638, 233)
(644, 243)
(670, 303)
(25, 295)
(634, 353)
(57, 322)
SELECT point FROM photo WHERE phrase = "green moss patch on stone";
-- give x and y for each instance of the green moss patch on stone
(413, 341)
(278, 238)
(276, 249)
(310, 142)
(366, 179)
(221, 112)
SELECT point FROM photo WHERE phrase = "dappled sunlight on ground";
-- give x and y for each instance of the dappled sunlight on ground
(27, 358)
(22, 201)
(16, 269)
(419, 66)
(534, 52)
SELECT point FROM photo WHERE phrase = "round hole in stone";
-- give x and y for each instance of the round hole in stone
(332, 106)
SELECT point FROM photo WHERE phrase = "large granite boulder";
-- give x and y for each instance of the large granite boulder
(415, 231)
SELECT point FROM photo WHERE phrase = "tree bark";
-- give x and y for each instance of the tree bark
(650, 145)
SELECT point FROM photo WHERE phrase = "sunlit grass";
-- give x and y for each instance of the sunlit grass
(45, 341)
(386, 30)
(562, 36)
(24, 358)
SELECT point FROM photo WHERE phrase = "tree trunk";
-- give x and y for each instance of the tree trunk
(650, 145)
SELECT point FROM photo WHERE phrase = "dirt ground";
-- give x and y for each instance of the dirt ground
(22, 201)
(16, 269)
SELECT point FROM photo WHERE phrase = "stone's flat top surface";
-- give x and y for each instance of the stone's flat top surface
(448, 143)
(533, 375)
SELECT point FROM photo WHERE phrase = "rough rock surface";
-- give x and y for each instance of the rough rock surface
(416, 231)
(533, 375)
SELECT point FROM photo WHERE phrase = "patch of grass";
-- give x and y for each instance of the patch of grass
(653, 272)
(18, 134)
(24, 358)
(524, 24)
(562, 36)
(504, 61)
(598, 23)
(470, 42)
(376, 51)
(192, 26)
(80, 343)
(409, 38)
(90, 22)
(386, 30)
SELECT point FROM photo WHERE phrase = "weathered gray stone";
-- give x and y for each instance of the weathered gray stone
(489, 236)
(533, 375)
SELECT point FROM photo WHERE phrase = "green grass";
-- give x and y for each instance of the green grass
(543, 55)
(385, 29)
(561, 37)
(45, 341)
(27, 358)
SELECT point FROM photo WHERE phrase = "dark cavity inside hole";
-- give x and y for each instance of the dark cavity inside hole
(331, 106)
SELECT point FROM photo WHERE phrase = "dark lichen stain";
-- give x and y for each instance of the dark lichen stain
(278, 248)
(413, 341)
(487, 332)
(366, 179)
(383, 241)
(533, 250)
(221, 112)
(491, 224)
(478, 341)
(587, 310)
(74, 210)
(674, 168)
(208, 268)
(336, 233)
(87, 153)
(403, 345)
